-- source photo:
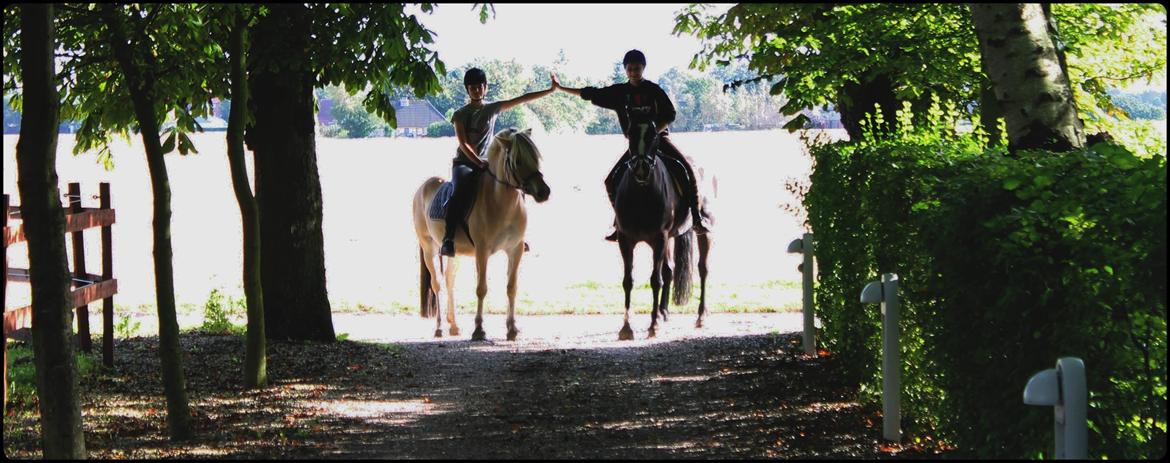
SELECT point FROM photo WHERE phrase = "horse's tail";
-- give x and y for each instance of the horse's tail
(428, 300)
(683, 255)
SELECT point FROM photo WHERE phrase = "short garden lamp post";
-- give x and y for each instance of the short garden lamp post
(885, 293)
(804, 245)
(1063, 388)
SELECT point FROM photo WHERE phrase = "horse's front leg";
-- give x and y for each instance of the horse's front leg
(449, 274)
(667, 276)
(657, 247)
(627, 249)
(514, 256)
(481, 260)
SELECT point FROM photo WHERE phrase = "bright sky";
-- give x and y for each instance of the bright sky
(593, 36)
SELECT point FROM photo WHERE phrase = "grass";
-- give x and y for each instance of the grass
(593, 297)
(22, 389)
(225, 314)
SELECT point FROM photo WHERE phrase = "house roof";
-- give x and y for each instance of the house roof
(415, 113)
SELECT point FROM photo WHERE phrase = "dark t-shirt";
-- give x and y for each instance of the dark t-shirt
(478, 126)
(646, 101)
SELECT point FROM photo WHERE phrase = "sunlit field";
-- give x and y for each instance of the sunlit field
(370, 248)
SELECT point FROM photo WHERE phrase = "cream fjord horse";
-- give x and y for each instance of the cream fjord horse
(496, 222)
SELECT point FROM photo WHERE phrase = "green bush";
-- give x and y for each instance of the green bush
(441, 129)
(1006, 263)
(217, 313)
(126, 327)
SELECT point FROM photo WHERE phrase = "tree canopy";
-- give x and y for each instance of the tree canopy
(815, 50)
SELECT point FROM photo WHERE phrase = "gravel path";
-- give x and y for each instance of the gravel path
(738, 388)
(569, 389)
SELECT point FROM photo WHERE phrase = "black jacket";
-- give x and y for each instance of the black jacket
(647, 100)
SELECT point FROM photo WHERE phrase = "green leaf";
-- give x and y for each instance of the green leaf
(169, 145)
(1011, 183)
(797, 123)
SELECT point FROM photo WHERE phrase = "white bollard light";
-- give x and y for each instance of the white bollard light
(804, 246)
(886, 293)
(1064, 389)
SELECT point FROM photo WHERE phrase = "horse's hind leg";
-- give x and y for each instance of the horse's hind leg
(513, 267)
(449, 275)
(704, 248)
(627, 249)
(658, 247)
(429, 255)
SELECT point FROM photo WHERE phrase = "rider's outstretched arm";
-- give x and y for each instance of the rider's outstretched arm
(607, 97)
(506, 105)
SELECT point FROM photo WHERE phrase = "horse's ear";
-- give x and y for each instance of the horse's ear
(528, 131)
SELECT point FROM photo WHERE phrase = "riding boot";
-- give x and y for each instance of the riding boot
(448, 248)
(609, 190)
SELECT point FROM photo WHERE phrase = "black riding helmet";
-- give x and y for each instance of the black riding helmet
(634, 56)
(474, 76)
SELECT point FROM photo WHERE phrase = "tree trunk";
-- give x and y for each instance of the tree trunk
(140, 79)
(1029, 80)
(44, 227)
(990, 111)
(288, 190)
(856, 101)
(255, 358)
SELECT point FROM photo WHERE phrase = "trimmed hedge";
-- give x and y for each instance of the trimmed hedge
(1006, 263)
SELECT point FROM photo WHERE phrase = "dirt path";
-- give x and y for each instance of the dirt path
(738, 388)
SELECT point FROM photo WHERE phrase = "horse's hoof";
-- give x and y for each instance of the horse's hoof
(478, 335)
(651, 333)
(454, 331)
(626, 334)
(699, 323)
(438, 333)
(512, 334)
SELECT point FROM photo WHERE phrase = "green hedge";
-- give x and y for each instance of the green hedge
(1006, 263)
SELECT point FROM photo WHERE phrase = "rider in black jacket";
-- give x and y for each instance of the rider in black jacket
(641, 98)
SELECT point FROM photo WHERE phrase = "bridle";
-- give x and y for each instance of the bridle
(647, 157)
(510, 165)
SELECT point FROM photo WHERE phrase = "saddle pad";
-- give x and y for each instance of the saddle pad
(438, 207)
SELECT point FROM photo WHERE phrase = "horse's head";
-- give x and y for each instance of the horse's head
(643, 138)
(521, 163)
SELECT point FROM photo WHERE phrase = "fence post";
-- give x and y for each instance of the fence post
(886, 293)
(82, 312)
(1064, 389)
(107, 273)
(804, 245)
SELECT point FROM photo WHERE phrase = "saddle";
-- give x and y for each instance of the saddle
(437, 210)
(674, 170)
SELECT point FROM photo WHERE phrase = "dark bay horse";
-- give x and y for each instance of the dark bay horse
(651, 210)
